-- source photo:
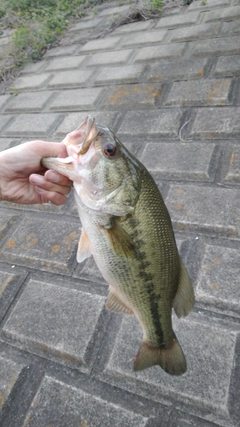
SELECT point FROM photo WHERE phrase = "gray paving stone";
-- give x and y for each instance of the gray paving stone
(117, 11)
(4, 99)
(211, 92)
(10, 372)
(191, 207)
(73, 120)
(151, 123)
(7, 220)
(203, 31)
(36, 81)
(218, 282)
(216, 123)
(183, 69)
(159, 52)
(64, 63)
(92, 22)
(216, 46)
(76, 99)
(224, 13)
(61, 51)
(29, 101)
(11, 281)
(233, 170)
(34, 67)
(32, 125)
(39, 244)
(227, 66)
(55, 321)
(69, 78)
(210, 3)
(144, 38)
(5, 143)
(4, 120)
(190, 18)
(210, 352)
(123, 74)
(230, 28)
(101, 44)
(135, 26)
(80, 409)
(134, 96)
(189, 161)
(109, 58)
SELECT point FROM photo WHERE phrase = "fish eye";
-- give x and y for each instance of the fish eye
(109, 150)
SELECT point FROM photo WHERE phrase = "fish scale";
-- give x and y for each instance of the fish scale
(127, 229)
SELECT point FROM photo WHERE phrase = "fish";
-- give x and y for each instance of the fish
(127, 228)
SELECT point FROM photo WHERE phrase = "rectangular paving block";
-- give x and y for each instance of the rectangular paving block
(222, 14)
(182, 69)
(4, 121)
(29, 101)
(211, 92)
(77, 99)
(198, 31)
(209, 348)
(227, 66)
(123, 74)
(116, 57)
(107, 43)
(66, 62)
(198, 4)
(39, 244)
(218, 282)
(216, 123)
(217, 46)
(61, 51)
(165, 51)
(188, 161)
(233, 169)
(133, 96)
(10, 372)
(74, 78)
(5, 143)
(178, 20)
(55, 321)
(133, 26)
(32, 125)
(9, 286)
(74, 407)
(35, 81)
(144, 38)
(4, 99)
(164, 122)
(85, 24)
(208, 209)
(73, 120)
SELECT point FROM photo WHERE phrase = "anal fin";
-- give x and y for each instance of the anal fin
(84, 249)
(115, 304)
(171, 359)
(184, 299)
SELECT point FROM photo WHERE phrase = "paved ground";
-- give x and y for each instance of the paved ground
(169, 88)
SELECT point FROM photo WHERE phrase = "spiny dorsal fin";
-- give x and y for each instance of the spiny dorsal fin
(84, 248)
(120, 240)
(115, 304)
(183, 301)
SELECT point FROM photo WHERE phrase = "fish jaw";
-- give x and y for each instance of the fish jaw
(78, 141)
(64, 166)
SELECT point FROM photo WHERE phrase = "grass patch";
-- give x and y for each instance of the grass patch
(36, 25)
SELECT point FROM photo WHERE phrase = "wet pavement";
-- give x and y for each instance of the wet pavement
(169, 88)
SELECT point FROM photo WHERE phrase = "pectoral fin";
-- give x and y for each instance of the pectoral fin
(115, 304)
(84, 248)
(120, 240)
(184, 299)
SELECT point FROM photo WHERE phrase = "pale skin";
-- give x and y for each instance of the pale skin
(24, 180)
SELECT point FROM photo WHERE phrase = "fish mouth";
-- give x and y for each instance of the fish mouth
(79, 141)
(91, 134)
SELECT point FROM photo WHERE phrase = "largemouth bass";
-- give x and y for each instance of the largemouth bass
(127, 229)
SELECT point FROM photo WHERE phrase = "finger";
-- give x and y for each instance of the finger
(40, 181)
(56, 199)
(57, 178)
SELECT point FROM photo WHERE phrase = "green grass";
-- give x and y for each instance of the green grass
(37, 25)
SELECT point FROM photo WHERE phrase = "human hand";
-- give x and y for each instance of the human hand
(24, 180)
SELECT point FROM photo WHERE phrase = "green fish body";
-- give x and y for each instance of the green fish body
(127, 229)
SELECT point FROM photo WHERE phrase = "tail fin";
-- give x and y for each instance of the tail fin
(184, 299)
(171, 359)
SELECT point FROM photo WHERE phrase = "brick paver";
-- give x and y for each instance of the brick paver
(169, 88)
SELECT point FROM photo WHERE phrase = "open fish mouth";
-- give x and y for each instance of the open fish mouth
(80, 139)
